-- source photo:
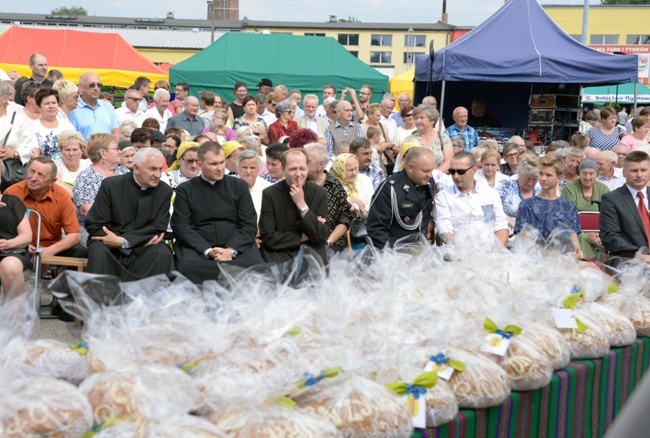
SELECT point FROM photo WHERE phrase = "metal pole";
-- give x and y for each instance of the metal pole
(636, 86)
(211, 12)
(585, 22)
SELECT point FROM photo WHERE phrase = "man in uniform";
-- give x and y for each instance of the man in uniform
(401, 207)
(127, 222)
(214, 220)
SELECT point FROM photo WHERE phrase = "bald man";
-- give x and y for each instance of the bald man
(460, 127)
(189, 119)
(93, 114)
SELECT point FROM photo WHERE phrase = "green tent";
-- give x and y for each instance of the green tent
(305, 63)
(622, 94)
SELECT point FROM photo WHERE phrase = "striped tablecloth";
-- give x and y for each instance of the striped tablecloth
(581, 401)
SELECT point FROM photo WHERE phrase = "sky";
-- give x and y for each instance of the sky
(461, 12)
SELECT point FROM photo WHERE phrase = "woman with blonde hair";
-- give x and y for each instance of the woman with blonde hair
(358, 187)
(104, 153)
(489, 172)
(68, 97)
(426, 118)
(70, 165)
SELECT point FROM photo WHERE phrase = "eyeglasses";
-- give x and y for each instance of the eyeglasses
(257, 133)
(113, 149)
(516, 154)
(189, 161)
(95, 84)
(134, 98)
(178, 90)
(408, 115)
(459, 171)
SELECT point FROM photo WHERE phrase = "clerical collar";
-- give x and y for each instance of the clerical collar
(138, 184)
(209, 182)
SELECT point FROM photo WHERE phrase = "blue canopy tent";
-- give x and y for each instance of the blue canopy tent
(516, 52)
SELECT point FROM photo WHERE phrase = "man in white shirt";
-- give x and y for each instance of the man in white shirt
(296, 96)
(467, 206)
(328, 91)
(387, 106)
(309, 120)
(608, 173)
(130, 110)
(160, 109)
(262, 109)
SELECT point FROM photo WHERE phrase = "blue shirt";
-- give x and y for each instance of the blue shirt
(546, 215)
(511, 196)
(182, 121)
(88, 120)
(469, 134)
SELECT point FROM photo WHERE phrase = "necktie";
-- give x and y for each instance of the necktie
(644, 216)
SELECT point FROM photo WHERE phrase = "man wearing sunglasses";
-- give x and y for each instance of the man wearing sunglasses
(401, 207)
(93, 115)
(467, 206)
(130, 110)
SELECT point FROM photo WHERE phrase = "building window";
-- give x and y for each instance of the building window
(380, 57)
(414, 55)
(637, 39)
(354, 53)
(349, 39)
(418, 41)
(603, 39)
(381, 40)
(281, 33)
(315, 34)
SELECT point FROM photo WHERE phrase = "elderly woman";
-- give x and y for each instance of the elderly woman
(17, 138)
(15, 235)
(70, 165)
(160, 109)
(608, 134)
(104, 154)
(338, 208)
(586, 193)
(358, 187)
(28, 93)
(523, 186)
(458, 145)
(248, 169)
(68, 97)
(285, 125)
(489, 172)
(429, 137)
(126, 129)
(408, 128)
(186, 165)
(572, 158)
(128, 155)
(48, 127)
(511, 159)
(639, 136)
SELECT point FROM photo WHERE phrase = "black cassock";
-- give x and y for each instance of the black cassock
(136, 215)
(213, 215)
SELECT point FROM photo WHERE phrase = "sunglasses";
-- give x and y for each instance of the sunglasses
(459, 171)
(95, 84)
(137, 99)
(408, 115)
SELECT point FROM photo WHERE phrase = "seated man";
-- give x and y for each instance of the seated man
(608, 173)
(127, 222)
(214, 220)
(39, 192)
(294, 212)
(465, 204)
(412, 191)
(624, 220)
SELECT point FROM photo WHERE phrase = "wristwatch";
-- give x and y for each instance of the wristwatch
(304, 209)
(234, 253)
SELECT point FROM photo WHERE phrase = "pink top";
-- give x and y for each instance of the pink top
(632, 142)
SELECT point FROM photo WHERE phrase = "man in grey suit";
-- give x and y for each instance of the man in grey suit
(310, 120)
(624, 218)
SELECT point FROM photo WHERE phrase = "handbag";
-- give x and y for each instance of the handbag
(15, 171)
(358, 231)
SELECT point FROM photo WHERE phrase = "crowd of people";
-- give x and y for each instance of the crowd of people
(194, 184)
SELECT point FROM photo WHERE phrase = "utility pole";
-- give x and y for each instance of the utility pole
(211, 15)
(585, 22)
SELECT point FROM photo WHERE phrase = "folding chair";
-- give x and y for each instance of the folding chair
(589, 221)
(37, 267)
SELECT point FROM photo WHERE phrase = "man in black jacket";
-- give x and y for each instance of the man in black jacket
(214, 220)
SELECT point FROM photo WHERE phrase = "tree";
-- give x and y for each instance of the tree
(354, 20)
(77, 11)
(625, 2)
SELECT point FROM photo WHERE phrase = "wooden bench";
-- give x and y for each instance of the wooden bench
(79, 263)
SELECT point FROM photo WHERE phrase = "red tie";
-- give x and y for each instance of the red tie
(644, 216)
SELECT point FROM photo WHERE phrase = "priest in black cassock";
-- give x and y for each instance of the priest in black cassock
(127, 222)
(214, 220)
(294, 213)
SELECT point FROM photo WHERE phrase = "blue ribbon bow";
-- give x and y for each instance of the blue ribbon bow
(575, 289)
(415, 391)
(311, 380)
(439, 359)
(504, 335)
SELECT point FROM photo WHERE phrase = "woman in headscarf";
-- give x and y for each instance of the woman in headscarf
(186, 165)
(358, 187)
